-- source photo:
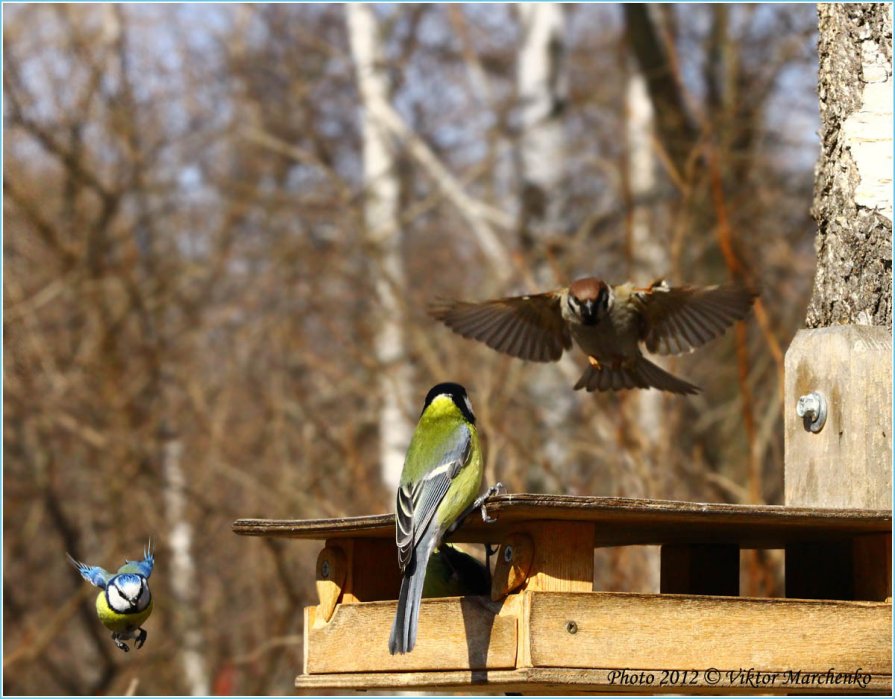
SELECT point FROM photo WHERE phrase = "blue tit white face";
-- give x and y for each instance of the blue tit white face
(128, 593)
(456, 393)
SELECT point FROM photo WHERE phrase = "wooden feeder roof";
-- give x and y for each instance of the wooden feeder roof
(617, 522)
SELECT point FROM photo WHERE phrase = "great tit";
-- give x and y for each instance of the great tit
(125, 603)
(453, 573)
(442, 476)
(608, 323)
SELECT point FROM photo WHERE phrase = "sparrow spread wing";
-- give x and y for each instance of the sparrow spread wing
(528, 327)
(419, 500)
(680, 319)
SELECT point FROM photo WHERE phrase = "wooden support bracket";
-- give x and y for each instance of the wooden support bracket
(513, 565)
(332, 569)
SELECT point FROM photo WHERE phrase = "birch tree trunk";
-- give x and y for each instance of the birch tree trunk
(183, 574)
(542, 84)
(159, 338)
(853, 189)
(383, 236)
(647, 258)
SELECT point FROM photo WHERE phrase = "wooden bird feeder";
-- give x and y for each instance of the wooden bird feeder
(546, 630)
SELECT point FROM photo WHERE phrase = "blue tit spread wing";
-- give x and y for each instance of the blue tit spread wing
(92, 574)
(419, 500)
(528, 327)
(143, 567)
(680, 319)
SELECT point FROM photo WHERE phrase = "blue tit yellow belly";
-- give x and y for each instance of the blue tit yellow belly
(115, 621)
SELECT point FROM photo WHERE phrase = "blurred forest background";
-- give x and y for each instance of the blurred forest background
(214, 303)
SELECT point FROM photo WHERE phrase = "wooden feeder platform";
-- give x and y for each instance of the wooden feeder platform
(545, 630)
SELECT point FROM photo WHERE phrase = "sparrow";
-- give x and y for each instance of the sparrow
(608, 323)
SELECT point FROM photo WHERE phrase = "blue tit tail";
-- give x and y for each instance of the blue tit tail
(143, 567)
(407, 618)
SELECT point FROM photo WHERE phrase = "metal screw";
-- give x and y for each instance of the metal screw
(813, 411)
(507, 554)
(571, 627)
(324, 570)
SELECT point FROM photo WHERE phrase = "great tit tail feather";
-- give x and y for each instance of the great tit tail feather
(403, 636)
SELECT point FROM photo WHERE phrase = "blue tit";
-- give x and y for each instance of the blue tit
(453, 573)
(125, 602)
(442, 476)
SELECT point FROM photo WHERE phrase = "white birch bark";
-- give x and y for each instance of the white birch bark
(542, 83)
(383, 234)
(853, 189)
(182, 574)
(187, 620)
(648, 254)
(647, 261)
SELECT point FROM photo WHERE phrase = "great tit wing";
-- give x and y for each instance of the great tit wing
(527, 327)
(418, 500)
(680, 319)
(92, 574)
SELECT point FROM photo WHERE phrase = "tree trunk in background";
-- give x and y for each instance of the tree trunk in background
(647, 258)
(853, 191)
(159, 339)
(182, 574)
(647, 255)
(383, 235)
(677, 135)
(542, 83)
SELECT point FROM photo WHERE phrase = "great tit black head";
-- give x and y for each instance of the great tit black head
(456, 393)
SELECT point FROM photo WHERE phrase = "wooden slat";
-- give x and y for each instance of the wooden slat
(621, 521)
(455, 633)
(618, 630)
(546, 681)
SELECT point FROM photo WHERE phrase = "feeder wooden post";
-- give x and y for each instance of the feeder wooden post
(847, 463)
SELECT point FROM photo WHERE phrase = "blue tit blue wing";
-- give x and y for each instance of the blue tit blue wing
(143, 567)
(92, 574)
(419, 500)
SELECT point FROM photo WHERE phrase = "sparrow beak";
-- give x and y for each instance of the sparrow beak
(589, 313)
